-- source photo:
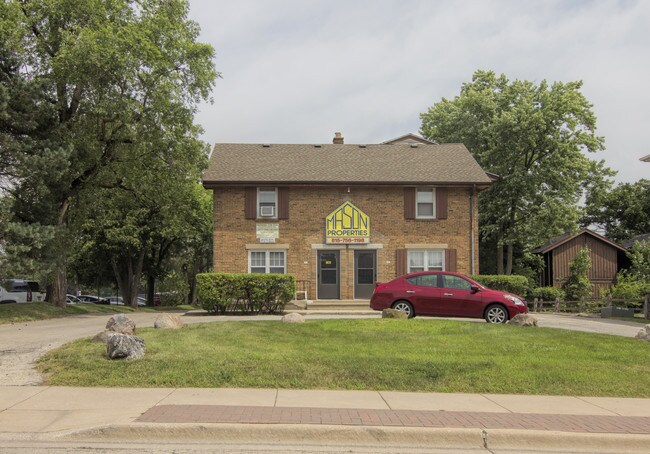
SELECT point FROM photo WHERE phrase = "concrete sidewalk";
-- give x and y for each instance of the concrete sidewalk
(62, 413)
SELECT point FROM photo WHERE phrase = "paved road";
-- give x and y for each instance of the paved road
(22, 343)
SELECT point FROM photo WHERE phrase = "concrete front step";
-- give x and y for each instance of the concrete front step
(329, 305)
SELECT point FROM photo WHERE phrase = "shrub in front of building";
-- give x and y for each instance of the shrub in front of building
(508, 283)
(244, 293)
(547, 293)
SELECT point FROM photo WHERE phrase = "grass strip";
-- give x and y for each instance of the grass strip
(374, 354)
(26, 312)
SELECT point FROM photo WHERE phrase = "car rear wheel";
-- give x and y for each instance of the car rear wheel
(496, 314)
(404, 306)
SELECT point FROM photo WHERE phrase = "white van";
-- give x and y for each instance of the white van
(20, 291)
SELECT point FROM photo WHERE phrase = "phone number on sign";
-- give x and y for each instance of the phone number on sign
(348, 240)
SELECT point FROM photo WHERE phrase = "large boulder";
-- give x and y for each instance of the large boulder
(293, 318)
(644, 333)
(394, 313)
(101, 337)
(122, 324)
(523, 320)
(124, 346)
(172, 321)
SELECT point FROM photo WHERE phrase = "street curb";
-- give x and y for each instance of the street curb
(460, 438)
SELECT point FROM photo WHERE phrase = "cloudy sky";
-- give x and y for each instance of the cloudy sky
(297, 71)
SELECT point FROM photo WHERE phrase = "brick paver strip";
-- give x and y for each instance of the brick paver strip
(400, 418)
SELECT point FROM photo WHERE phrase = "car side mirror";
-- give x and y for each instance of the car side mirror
(475, 289)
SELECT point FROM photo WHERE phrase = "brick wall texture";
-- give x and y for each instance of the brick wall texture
(308, 208)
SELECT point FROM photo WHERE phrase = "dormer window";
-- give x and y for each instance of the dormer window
(267, 203)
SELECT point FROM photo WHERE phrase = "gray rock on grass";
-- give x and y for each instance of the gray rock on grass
(293, 318)
(120, 323)
(124, 346)
(101, 337)
(644, 333)
(523, 320)
(393, 313)
(172, 321)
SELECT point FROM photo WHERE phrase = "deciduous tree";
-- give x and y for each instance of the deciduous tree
(622, 212)
(535, 137)
(122, 78)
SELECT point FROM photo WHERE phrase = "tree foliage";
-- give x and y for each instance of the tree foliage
(534, 137)
(577, 285)
(622, 212)
(118, 83)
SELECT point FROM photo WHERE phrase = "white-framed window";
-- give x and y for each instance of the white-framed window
(425, 203)
(266, 262)
(267, 203)
(426, 260)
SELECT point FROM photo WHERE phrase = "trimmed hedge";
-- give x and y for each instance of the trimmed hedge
(547, 293)
(244, 293)
(507, 283)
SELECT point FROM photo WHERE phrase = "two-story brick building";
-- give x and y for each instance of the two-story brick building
(340, 217)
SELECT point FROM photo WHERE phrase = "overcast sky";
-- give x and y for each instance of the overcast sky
(297, 71)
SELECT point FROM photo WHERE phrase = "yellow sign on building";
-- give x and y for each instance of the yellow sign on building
(347, 224)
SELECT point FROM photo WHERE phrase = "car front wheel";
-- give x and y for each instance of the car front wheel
(404, 306)
(496, 314)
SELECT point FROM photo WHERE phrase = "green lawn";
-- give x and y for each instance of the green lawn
(26, 312)
(374, 354)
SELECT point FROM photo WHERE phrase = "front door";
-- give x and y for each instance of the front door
(328, 275)
(365, 273)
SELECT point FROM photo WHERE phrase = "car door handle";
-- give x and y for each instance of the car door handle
(410, 291)
(449, 294)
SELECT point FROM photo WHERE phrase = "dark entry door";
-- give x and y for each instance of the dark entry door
(365, 273)
(328, 275)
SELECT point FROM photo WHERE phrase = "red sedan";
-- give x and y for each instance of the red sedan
(446, 294)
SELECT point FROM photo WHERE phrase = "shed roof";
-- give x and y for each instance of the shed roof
(640, 238)
(560, 240)
(233, 163)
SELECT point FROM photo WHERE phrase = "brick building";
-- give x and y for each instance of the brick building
(340, 217)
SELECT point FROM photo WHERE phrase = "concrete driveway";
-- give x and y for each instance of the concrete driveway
(22, 343)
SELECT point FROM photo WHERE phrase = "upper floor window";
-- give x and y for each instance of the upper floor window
(267, 203)
(425, 203)
(426, 260)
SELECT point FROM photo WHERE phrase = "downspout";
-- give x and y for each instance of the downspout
(472, 245)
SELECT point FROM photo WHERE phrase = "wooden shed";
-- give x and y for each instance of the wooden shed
(606, 259)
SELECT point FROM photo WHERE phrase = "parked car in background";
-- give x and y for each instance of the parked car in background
(71, 299)
(119, 301)
(20, 291)
(446, 294)
(92, 299)
(115, 300)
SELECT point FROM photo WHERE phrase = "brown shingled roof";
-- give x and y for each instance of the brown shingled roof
(330, 163)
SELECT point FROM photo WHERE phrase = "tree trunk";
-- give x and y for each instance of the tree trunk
(509, 259)
(58, 289)
(151, 289)
(137, 275)
(500, 252)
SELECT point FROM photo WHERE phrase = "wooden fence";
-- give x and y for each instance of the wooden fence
(641, 306)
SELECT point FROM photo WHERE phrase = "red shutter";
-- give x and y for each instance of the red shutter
(400, 262)
(450, 260)
(441, 203)
(250, 203)
(409, 203)
(283, 203)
